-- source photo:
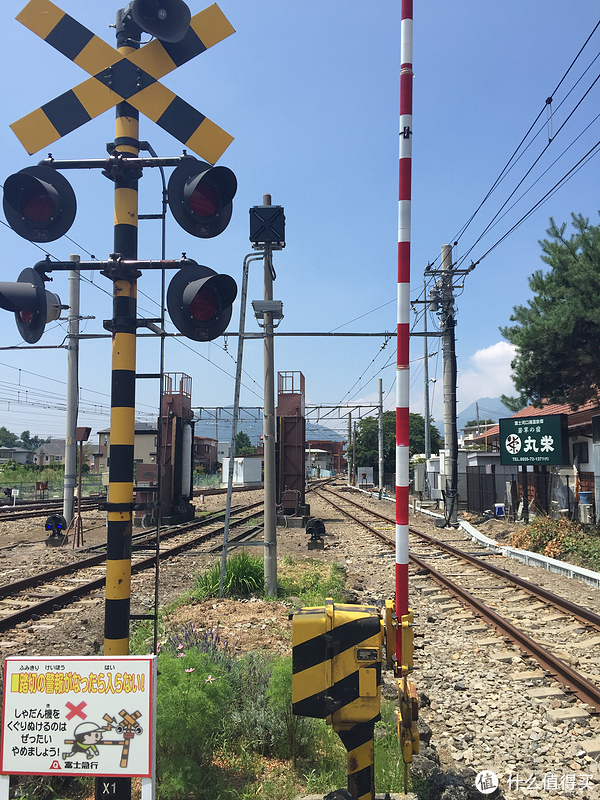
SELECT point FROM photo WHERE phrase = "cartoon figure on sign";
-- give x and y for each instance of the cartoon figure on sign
(87, 737)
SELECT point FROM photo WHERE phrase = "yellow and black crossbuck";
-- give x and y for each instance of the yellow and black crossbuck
(115, 77)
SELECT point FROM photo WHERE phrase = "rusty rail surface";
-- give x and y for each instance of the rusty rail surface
(573, 681)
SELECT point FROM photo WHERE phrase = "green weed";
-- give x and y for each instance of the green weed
(311, 580)
(244, 574)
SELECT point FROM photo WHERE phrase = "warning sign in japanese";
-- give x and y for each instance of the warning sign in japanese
(78, 716)
(534, 440)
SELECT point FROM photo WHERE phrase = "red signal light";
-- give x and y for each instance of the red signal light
(39, 203)
(201, 197)
(36, 204)
(26, 316)
(204, 305)
(204, 200)
(200, 302)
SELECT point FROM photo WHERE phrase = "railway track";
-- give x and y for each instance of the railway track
(53, 590)
(516, 608)
(11, 513)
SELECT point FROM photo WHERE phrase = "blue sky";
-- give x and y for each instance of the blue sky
(310, 91)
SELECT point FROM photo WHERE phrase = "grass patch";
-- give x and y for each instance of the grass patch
(310, 580)
(225, 726)
(244, 574)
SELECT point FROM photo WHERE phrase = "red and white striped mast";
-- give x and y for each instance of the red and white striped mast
(403, 335)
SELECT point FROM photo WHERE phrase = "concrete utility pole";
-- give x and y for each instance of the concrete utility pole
(449, 363)
(380, 436)
(354, 464)
(348, 448)
(426, 374)
(270, 518)
(72, 393)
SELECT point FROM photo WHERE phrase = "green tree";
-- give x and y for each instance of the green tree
(31, 442)
(8, 439)
(513, 404)
(416, 435)
(557, 334)
(243, 445)
(367, 448)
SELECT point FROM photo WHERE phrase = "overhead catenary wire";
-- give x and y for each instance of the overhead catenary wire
(504, 171)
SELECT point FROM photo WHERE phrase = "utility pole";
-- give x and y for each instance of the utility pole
(348, 448)
(354, 465)
(380, 436)
(449, 365)
(270, 518)
(72, 392)
(426, 373)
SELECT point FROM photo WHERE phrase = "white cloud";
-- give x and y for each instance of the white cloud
(488, 374)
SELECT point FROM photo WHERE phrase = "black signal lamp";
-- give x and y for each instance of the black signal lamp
(39, 203)
(33, 305)
(200, 302)
(200, 197)
(56, 524)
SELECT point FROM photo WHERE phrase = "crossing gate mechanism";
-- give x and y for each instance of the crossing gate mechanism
(336, 655)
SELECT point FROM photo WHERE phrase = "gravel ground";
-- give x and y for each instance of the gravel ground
(480, 709)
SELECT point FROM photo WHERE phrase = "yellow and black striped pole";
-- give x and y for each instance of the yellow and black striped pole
(359, 741)
(122, 412)
(122, 416)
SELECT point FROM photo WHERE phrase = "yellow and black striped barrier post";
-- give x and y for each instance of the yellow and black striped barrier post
(336, 654)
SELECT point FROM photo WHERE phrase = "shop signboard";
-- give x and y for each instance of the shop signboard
(90, 716)
(536, 440)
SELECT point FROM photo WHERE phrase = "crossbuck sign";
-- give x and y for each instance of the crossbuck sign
(115, 78)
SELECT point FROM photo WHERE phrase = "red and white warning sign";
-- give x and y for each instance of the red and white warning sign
(79, 716)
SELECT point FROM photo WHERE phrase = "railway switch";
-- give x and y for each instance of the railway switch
(408, 701)
(336, 655)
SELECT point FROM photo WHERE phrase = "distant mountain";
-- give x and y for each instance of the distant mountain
(489, 408)
(251, 422)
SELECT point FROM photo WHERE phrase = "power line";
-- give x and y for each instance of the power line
(507, 167)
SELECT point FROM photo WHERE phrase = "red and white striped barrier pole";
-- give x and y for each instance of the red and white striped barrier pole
(402, 365)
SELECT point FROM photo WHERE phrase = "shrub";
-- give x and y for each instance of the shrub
(192, 693)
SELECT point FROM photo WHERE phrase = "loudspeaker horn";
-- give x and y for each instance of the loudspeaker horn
(167, 20)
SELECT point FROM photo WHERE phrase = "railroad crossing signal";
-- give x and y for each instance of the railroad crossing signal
(200, 302)
(31, 303)
(39, 203)
(116, 78)
(200, 197)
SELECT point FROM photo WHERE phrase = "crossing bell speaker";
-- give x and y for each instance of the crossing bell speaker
(168, 20)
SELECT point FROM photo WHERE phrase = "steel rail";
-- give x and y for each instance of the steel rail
(64, 598)
(581, 613)
(586, 691)
(41, 511)
(573, 681)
